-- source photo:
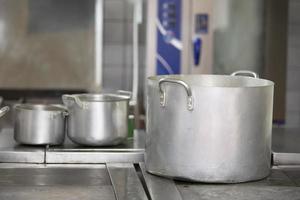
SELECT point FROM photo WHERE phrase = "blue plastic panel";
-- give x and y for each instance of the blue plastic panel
(168, 56)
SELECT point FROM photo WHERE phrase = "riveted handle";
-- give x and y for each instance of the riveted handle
(190, 99)
(67, 97)
(129, 95)
(4, 110)
(245, 72)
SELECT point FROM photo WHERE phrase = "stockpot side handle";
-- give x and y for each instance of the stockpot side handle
(4, 110)
(245, 72)
(190, 99)
(67, 97)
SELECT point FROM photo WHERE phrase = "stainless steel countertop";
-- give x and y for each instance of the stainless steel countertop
(37, 177)
(125, 181)
(132, 150)
(285, 145)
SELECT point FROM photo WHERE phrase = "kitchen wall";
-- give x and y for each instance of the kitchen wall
(293, 69)
(118, 21)
(46, 44)
(50, 44)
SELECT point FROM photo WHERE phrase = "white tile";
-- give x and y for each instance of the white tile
(113, 54)
(114, 9)
(118, 10)
(114, 33)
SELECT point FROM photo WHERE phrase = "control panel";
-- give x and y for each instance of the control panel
(168, 37)
(179, 38)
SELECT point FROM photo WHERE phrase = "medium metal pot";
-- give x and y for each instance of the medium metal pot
(209, 128)
(97, 119)
(39, 124)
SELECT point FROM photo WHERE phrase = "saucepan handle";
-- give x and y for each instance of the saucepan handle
(245, 72)
(190, 99)
(4, 110)
(67, 97)
(129, 95)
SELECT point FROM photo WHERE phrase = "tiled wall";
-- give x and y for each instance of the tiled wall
(293, 69)
(117, 70)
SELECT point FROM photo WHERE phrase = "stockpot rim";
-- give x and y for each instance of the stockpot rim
(261, 83)
(39, 107)
(94, 98)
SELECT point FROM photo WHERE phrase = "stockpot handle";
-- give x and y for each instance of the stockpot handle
(4, 110)
(129, 95)
(246, 72)
(67, 97)
(190, 99)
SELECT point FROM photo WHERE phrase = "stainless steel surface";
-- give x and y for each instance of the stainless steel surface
(286, 158)
(97, 119)
(131, 151)
(160, 188)
(27, 181)
(99, 23)
(39, 124)
(125, 181)
(94, 157)
(285, 146)
(11, 152)
(225, 138)
(285, 141)
(63, 182)
(281, 184)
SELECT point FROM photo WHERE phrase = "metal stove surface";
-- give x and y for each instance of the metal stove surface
(28, 172)
(125, 181)
(285, 145)
(132, 151)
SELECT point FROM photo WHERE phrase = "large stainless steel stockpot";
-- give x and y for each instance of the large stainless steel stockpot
(209, 128)
(37, 124)
(97, 119)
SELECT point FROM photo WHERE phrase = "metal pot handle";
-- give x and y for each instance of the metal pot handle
(246, 72)
(4, 110)
(76, 99)
(129, 94)
(190, 99)
(125, 93)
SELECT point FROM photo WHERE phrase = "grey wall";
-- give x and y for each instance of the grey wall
(117, 66)
(239, 35)
(293, 71)
(49, 44)
(46, 44)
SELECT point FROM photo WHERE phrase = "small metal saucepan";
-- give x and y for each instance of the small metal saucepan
(97, 119)
(37, 124)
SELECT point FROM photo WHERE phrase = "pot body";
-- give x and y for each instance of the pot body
(39, 124)
(212, 129)
(97, 119)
